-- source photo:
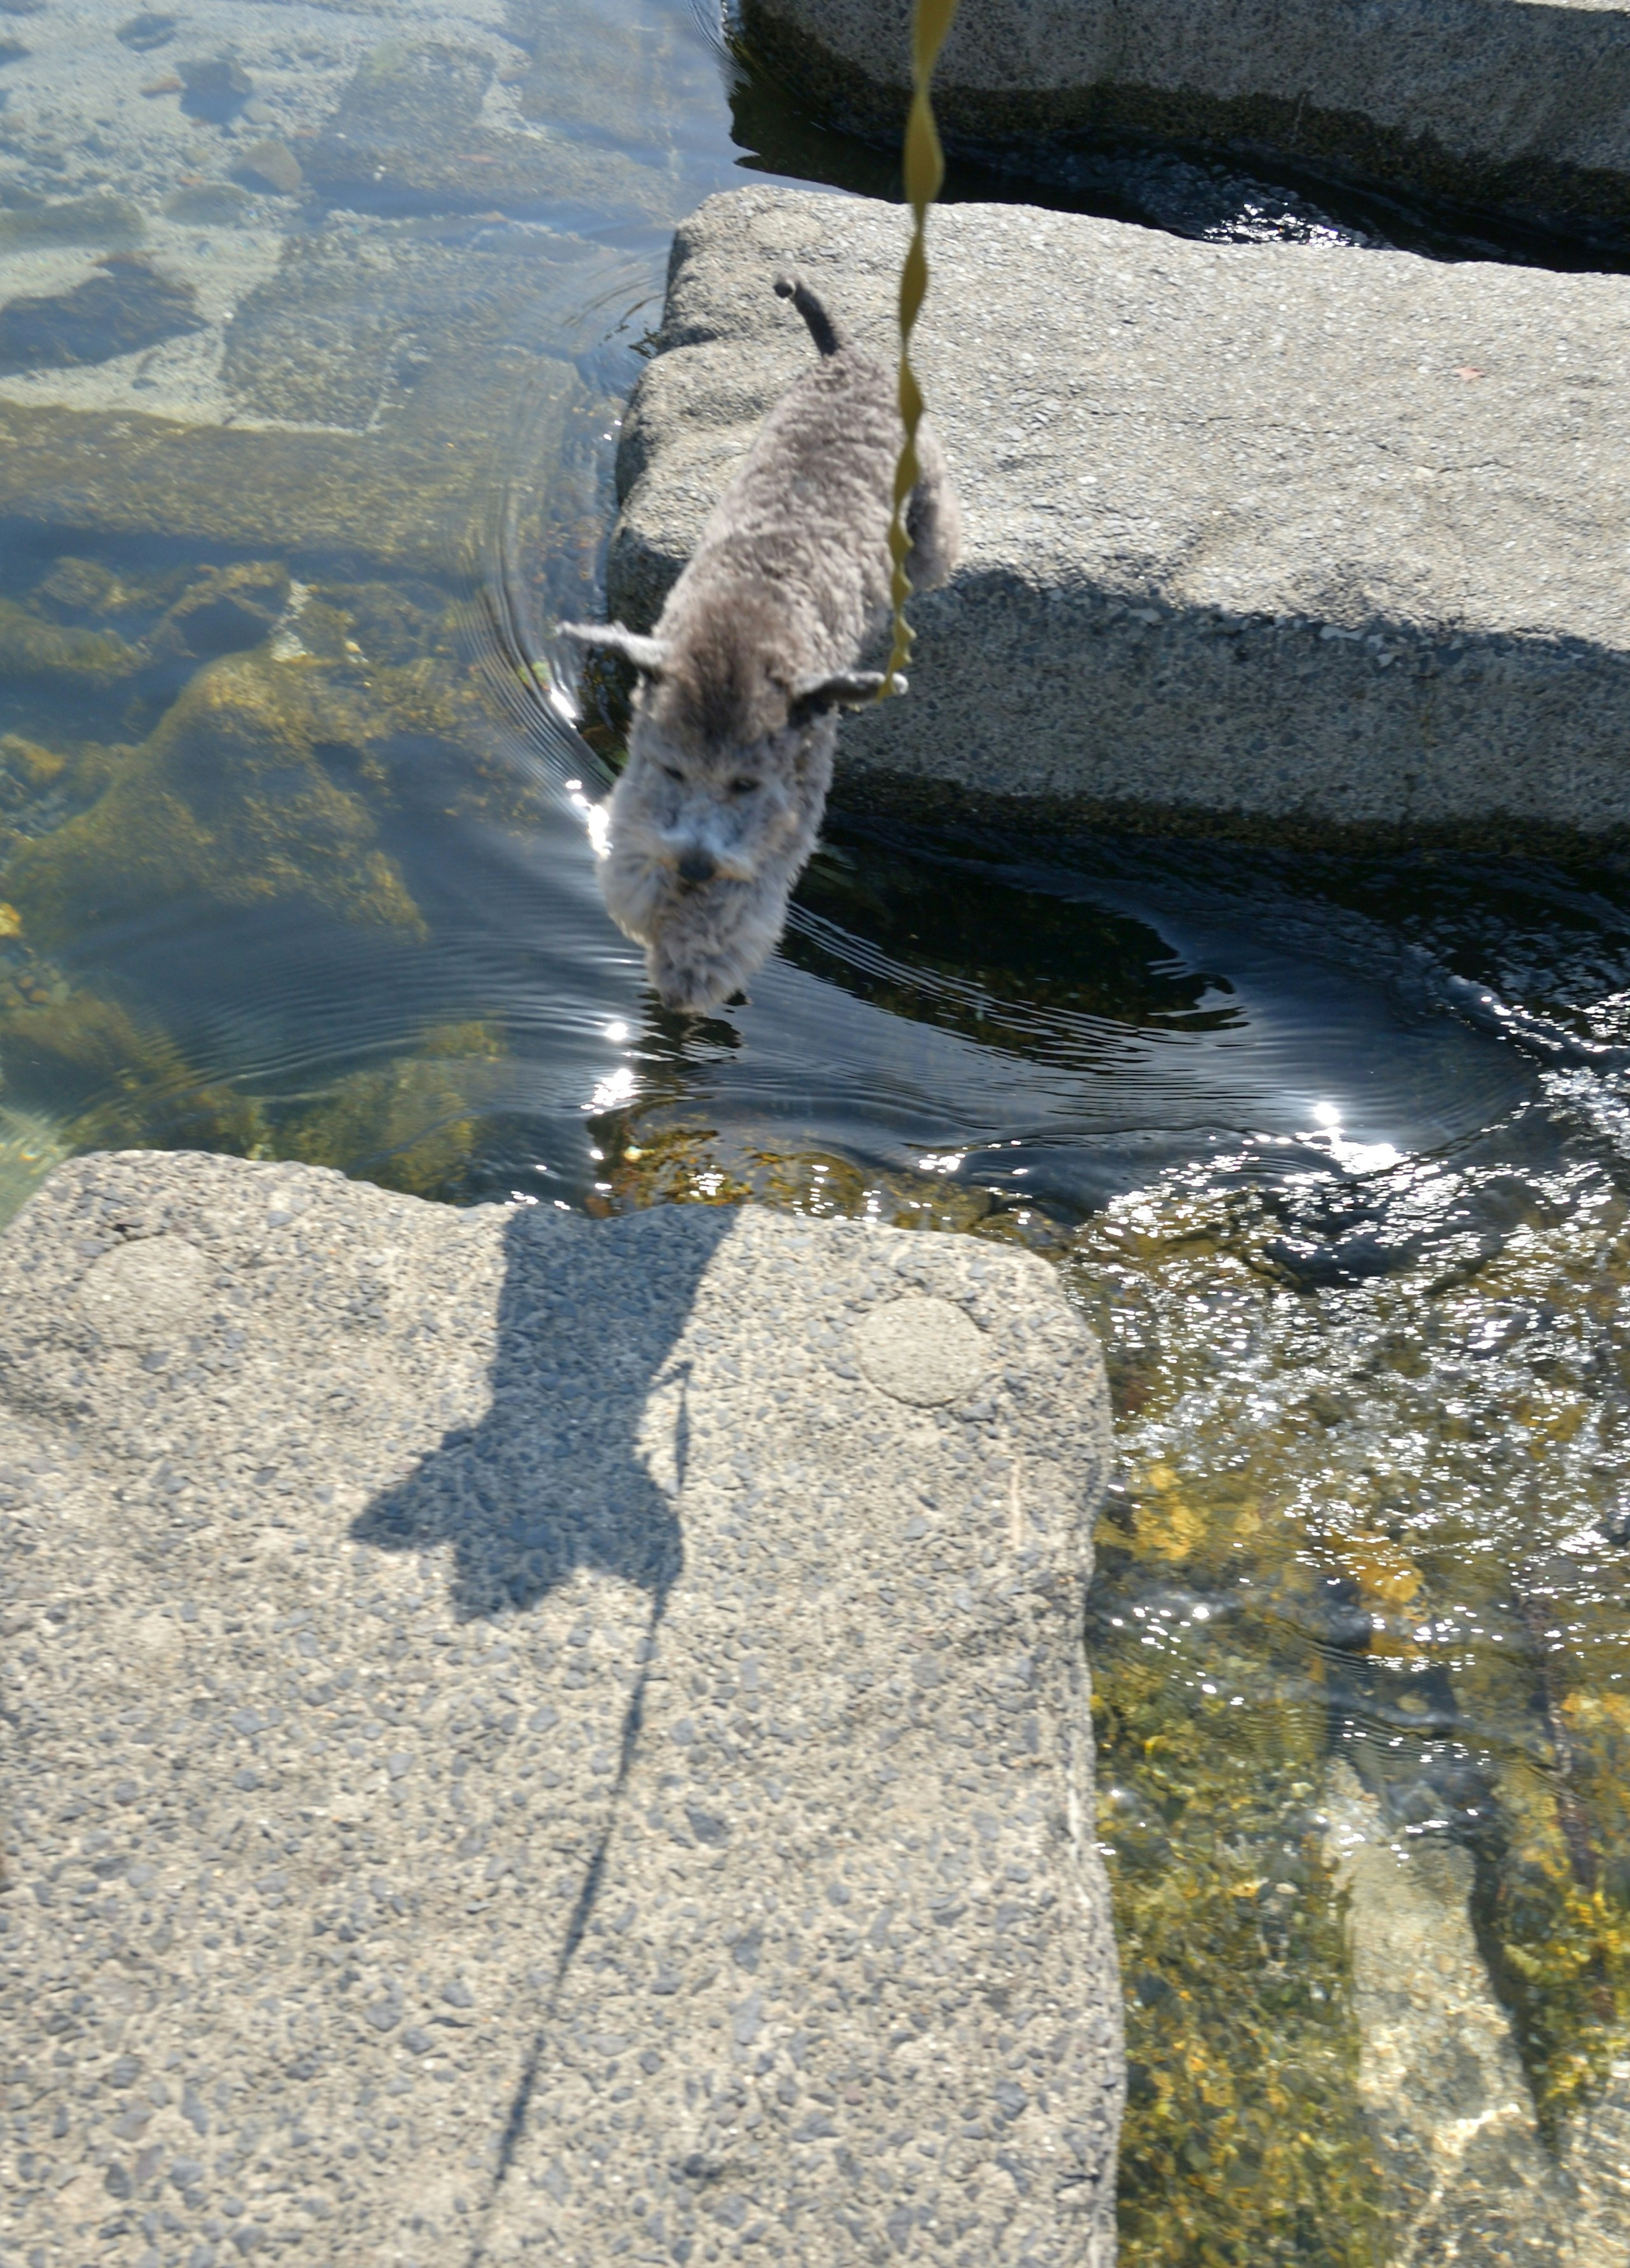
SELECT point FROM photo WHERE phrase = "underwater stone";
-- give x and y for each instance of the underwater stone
(217, 87)
(125, 306)
(100, 220)
(225, 610)
(1466, 2173)
(1268, 539)
(229, 796)
(410, 137)
(30, 648)
(271, 166)
(1494, 101)
(423, 352)
(694, 1873)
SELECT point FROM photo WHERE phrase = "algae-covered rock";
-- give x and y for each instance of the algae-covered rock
(78, 590)
(1374, 1514)
(229, 797)
(412, 1123)
(29, 648)
(107, 1077)
(225, 610)
(656, 1154)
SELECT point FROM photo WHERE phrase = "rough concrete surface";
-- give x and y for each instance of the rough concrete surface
(1264, 535)
(1499, 102)
(519, 1743)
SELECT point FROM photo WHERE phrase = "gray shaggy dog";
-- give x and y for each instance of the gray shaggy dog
(735, 722)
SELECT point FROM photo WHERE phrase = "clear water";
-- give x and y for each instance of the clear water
(314, 327)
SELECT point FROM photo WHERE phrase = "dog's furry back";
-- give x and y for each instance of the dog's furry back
(793, 569)
(734, 725)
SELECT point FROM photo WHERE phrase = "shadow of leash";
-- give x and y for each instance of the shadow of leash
(582, 1912)
(594, 1875)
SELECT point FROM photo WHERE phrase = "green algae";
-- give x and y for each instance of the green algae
(411, 1123)
(230, 799)
(647, 1157)
(31, 649)
(108, 1077)
(1388, 1495)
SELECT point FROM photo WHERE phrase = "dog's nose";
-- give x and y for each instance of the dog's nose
(697, 866)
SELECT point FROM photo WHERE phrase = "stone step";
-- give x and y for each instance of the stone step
(1280, 539)
(1493, 102)
(533, 1739)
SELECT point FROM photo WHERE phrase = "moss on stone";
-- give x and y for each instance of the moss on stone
(230, 798)
(412, 1123)
(30, 648)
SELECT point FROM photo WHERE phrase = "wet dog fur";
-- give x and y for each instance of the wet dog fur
(756, 649)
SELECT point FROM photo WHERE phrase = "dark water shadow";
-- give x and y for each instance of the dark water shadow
(553, 1479)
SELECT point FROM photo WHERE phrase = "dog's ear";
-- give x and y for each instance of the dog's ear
(648, 654)
(840, 689)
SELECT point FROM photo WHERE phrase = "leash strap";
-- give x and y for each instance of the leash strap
(925, 170)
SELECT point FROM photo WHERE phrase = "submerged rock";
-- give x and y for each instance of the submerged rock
(270, 167)
(1487, 100)
(216, 87)
(406, 364)
(98, 220)
(1258, 537)
(231, 797)
(125, 306)
(1467, 2176)
(415, 133)
(29, 648)
(542, 1681)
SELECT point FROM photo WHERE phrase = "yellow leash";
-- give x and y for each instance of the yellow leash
(925, 170)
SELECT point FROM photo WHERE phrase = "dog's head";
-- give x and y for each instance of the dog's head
(718, 803)
(722, 751)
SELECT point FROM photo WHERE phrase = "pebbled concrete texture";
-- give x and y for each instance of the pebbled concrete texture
(1270, 538)
(532, 1739)
(1501, 102)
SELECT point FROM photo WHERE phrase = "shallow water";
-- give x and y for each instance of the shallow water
(315, 326)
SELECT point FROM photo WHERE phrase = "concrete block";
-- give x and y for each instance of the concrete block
(1493, 102)
(539, 1740)
(1279, 539)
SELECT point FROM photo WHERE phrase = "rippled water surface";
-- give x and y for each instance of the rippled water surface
(315, 323)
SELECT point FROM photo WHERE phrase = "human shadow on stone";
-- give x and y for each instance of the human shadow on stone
(553, 1479)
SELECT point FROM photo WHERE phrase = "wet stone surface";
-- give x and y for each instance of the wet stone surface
(517, 1742)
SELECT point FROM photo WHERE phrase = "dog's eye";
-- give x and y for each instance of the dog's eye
(742, 786)
(673, 773)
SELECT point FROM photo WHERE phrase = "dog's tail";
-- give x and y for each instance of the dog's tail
(822, 330)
